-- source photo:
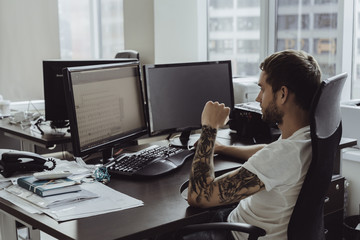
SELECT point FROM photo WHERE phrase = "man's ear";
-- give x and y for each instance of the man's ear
(284, 94)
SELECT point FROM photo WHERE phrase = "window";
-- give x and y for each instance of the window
(234, 33)
(312, 27)
(220, 24)
(325, 21)
(292, 2)
(355, 88)
(248, 46)
(248, 23)
(220, 4)
(90, 28)
(291, 22)
(242, 3)
(308, 25)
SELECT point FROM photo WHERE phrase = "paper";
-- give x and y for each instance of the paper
(358, 227)
(108, 200)
(50, 201)
(27, 206)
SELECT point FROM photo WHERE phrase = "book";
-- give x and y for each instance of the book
(45, 188)
(53, 201)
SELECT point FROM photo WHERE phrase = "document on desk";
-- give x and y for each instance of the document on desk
(108, 200)
(100, 198)
(50, 201)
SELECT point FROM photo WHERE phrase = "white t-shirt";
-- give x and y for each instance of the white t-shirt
(281, 166)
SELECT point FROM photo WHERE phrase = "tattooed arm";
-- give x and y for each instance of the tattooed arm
(240, 152)
(204, 189)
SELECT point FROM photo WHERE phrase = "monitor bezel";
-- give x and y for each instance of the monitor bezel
(185, 130)
(122, 141)
(55, 111)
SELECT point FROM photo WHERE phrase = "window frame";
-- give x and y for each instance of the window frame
(346, 29)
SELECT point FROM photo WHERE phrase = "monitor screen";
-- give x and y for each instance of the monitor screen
(105, 106)
(176, 94)
(54, 96)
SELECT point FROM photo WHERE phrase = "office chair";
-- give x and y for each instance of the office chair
(128, 54)
(307, 219)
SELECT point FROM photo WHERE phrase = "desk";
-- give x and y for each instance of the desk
(164, 209)
(27, 136)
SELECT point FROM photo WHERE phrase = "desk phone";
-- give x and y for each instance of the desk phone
(12, 161)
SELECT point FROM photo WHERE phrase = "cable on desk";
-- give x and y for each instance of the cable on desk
(101, 175)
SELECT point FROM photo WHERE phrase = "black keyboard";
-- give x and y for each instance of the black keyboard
(151, 161)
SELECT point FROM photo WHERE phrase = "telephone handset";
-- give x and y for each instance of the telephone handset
(12, 161)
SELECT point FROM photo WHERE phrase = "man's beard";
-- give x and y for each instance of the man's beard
(272, 114)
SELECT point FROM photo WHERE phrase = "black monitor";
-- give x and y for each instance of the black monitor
(54, 96)
(106, 107)
(176, 95)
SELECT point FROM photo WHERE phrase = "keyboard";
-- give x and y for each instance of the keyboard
(151, 161)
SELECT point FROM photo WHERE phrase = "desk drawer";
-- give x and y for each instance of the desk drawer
(335, 196)
(334, 224)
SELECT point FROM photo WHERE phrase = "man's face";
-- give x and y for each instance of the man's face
(267, 99)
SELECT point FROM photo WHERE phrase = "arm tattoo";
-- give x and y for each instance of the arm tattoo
(232, 188)
(201, 167)
(239, 186)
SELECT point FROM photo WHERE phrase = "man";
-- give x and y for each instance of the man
(267, 185)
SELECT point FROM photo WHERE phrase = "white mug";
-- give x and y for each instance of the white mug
(5, 108)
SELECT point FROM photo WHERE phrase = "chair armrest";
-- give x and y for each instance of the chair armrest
(253, 231)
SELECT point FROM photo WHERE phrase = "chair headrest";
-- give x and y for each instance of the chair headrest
(325, 109)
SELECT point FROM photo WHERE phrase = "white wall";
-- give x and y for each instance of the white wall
(166, 31)
(29, 33)
(139, 28)
(178, 31)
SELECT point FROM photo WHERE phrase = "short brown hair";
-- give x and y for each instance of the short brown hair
(297, 70)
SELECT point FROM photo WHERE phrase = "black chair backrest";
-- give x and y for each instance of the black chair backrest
(128, 54)
(307, 219)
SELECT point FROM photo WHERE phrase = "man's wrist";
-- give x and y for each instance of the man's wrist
(209, 129)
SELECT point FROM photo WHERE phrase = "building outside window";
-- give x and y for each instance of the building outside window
(310, 26)
(90, 29)
(234, 34)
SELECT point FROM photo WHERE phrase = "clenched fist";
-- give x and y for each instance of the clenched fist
(215, 115)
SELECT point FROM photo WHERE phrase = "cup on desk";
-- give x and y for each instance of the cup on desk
(4, 108)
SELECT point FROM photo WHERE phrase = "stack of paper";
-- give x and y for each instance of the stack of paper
(50, 201)
(110, 200)
(99, 198)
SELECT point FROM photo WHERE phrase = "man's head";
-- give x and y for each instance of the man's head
(297, 71)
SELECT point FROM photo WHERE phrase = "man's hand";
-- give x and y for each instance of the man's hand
(215, 115)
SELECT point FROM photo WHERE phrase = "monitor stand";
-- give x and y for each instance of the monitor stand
(108, 153)
(184, 140)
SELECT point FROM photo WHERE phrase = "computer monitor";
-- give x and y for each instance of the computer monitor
(176, 95)
(106, 107)
(54, 96)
